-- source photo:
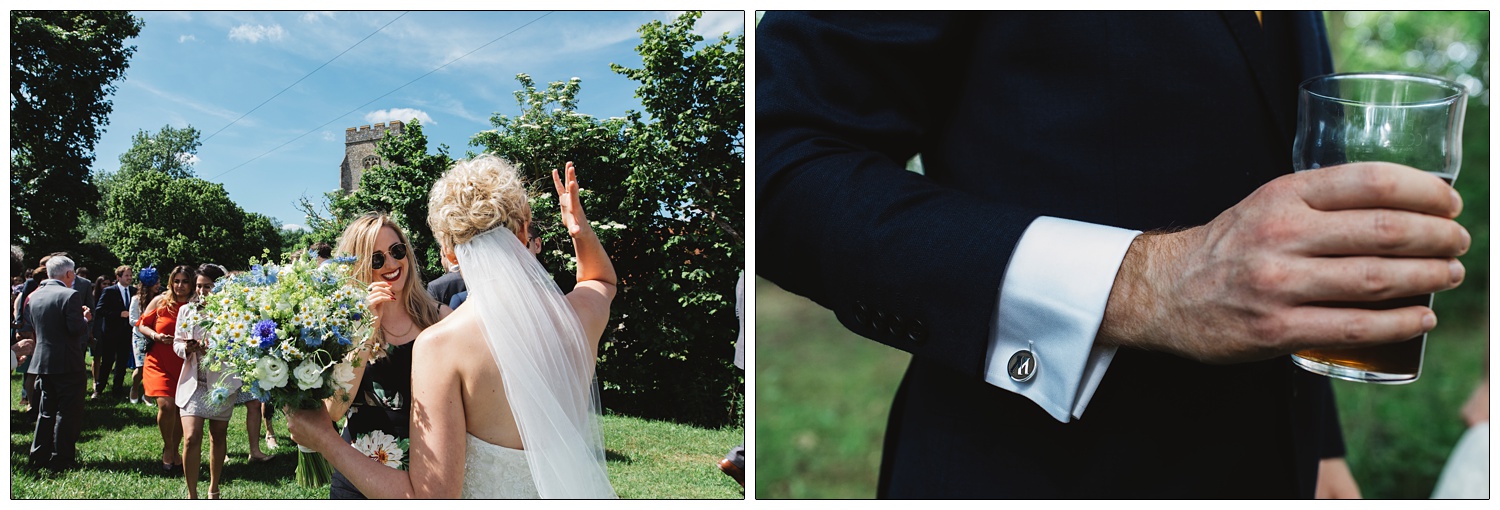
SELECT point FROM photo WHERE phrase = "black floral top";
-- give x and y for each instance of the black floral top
(379, 422)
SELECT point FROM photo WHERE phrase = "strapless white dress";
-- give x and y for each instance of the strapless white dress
(492, 471)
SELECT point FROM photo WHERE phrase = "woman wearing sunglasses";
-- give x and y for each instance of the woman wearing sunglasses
(378, 410)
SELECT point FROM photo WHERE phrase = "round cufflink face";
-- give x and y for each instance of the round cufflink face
(1022, 366)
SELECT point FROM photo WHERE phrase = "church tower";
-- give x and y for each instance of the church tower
(359, 152)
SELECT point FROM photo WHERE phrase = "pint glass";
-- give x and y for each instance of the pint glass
(1408, 119)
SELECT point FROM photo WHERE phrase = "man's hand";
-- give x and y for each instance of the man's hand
(1247, 285)
(88, 315)
(24, 347)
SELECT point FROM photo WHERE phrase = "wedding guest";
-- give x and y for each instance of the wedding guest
(322, 251)
(194, 388)
(402, 311)
(59, 318)
(28, 380)
(112, 346)
(446, 286)
(163, 366)
(733, 464)
(96, 333)
(147, 286)
(255, 412)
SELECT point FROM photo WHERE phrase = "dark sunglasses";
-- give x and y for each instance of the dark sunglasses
(397, 251)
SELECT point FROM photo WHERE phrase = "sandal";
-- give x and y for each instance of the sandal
(262, 458)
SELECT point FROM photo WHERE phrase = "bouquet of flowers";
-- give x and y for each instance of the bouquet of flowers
(289, 333)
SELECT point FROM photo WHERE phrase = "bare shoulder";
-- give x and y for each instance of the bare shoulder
(453, 338)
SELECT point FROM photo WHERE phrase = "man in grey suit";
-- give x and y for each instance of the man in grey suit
(56, 313)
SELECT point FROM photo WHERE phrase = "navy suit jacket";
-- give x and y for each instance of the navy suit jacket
(107, 312)
(1140, 120)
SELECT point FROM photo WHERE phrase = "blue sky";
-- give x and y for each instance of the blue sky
(206, 69)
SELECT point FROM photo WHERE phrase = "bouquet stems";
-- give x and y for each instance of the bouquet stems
(312, 469)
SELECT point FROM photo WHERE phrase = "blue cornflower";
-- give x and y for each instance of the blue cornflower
(271, 273)
(339, 334)
(258, 393)
(265, 332)
(311, 338)
(344, 259)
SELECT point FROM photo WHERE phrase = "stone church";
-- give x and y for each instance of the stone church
(359, 152)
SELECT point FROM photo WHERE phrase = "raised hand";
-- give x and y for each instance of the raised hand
(568, 200)
(380, 295)
(1255, 282)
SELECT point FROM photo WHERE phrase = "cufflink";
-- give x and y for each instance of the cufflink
(1022, 366)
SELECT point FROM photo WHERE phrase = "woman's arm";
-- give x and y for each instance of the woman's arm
(439, 428)
(147, 326)
(437, 443)
(339, 403)
(313, 429)
(590, 298)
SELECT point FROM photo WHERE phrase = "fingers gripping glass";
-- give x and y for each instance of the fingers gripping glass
(397, 251)
(1409, 119)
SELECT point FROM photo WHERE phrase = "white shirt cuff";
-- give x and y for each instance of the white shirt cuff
(1051, 303)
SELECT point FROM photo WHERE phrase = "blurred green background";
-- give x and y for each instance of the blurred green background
(823, 393)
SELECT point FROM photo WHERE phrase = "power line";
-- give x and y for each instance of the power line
(382, 96)
(304, 77)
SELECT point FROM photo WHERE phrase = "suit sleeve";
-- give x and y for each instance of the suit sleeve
(843, 100)
(73, 314)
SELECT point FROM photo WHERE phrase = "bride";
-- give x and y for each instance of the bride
(522, 421)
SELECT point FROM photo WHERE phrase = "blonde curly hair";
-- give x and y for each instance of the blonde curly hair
(476, 196)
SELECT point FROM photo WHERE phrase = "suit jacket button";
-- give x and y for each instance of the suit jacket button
(881, 319)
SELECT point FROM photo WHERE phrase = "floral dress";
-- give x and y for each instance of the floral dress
(378, 424)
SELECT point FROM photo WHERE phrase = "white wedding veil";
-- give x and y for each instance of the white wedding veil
(545, 364)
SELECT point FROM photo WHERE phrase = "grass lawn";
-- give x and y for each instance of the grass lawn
(823, 395)
(120, 448)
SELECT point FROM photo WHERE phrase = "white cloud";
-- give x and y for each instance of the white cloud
(402, 114)
(254, 33)
(316, 16)
(294, 226)
(328, 136)
(186, 38)
(190, 159)
(184, 101)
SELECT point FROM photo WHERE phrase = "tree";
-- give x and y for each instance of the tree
(666, 196)
(149, 217)
(154, 212)
(63, 67)
(170, 150)
(399, 187)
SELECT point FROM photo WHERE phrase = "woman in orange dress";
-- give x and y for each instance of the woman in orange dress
(163, 366)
